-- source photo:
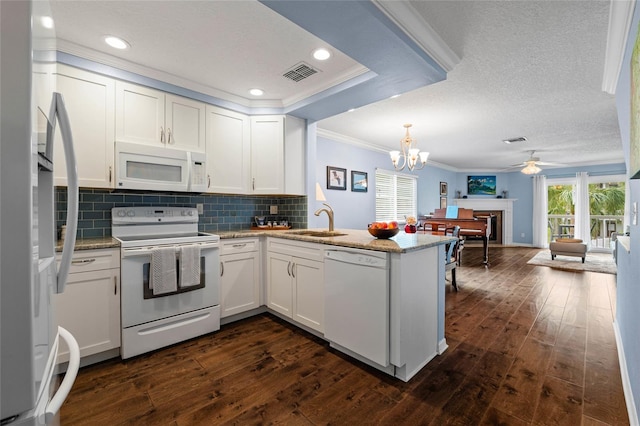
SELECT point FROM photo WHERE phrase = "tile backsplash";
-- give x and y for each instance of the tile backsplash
(221, 212)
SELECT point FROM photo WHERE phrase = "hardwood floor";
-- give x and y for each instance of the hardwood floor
(527, 346)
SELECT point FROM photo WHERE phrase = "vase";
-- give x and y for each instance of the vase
(410, 229)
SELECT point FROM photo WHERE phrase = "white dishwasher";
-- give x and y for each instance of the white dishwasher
(357, 302)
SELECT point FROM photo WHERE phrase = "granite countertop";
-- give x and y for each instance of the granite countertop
(354, 238)
(91, 243)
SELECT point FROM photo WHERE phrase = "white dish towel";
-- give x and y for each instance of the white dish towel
(189, 265)
(163, 271)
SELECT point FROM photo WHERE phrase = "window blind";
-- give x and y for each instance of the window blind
(395, 196)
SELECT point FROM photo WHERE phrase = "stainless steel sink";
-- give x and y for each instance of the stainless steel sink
(311, 233)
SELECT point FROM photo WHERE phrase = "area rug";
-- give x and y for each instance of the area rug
(594, 262)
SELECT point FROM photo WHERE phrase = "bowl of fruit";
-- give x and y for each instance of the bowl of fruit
(384, 230)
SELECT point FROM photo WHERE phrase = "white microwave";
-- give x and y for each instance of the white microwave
(153, 168)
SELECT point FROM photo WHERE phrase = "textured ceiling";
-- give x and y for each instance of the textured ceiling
(528, 68)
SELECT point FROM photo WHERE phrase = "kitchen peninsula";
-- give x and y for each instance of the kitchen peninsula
(398, 332)
(392, 314)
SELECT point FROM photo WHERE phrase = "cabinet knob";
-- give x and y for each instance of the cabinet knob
(161, 134)
(169, 136)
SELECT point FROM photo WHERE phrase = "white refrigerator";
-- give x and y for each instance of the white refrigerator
(31, 111)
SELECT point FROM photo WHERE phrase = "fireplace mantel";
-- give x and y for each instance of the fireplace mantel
(503, 204)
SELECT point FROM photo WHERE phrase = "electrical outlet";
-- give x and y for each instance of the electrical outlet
(273, 210)
(200, 208)
(522, 235)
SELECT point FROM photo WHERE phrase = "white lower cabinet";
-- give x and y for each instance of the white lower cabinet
(295, 281)
(239, 276)
(90, 305)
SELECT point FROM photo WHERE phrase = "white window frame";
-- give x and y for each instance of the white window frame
(396, 206)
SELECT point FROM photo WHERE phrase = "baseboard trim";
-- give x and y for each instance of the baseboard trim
(626, 383)
(442, 346)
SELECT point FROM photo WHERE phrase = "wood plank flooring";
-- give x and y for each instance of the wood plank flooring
(527, 346)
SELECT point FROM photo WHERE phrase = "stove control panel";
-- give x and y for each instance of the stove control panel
(150, 214)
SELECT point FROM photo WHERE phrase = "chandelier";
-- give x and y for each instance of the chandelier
(531, 168)
(409, 155)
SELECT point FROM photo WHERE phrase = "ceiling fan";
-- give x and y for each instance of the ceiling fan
(530, 166)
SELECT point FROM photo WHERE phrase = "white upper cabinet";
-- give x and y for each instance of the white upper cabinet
(267, 154)
(89, 99)
(228, 151)
(149, 116)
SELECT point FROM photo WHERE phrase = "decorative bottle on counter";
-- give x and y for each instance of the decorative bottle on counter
(410, 229)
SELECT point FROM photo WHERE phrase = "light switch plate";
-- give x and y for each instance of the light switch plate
(273, 210)
(200, 208)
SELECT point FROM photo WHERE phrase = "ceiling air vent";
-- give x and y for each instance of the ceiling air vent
(514, 140)
(300, 72)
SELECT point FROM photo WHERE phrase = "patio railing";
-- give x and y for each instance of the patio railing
(602, 226)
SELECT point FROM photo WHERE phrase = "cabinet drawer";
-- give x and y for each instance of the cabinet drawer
(310, 251)
(238, 245)
(93, 260)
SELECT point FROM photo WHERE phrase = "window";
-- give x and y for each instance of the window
(395, 196)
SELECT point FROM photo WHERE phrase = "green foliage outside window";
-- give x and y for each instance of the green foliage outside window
(604, 199)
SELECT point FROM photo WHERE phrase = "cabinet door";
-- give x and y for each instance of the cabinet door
(184, 120)
(139, 114)
(90, 309)
(89, 99)
(279, 284)
(267, 155)
(228, 151)
(239, 283)
(309, 293)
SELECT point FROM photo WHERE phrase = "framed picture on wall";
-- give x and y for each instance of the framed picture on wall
(443, 188)
(359, 181)
(443, 202)
(481, 185)
(336, 178)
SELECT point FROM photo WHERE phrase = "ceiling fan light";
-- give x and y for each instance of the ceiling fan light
(531, 168)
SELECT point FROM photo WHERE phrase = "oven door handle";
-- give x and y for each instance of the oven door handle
(146, 251)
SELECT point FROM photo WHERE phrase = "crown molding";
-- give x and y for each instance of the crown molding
(339, 137)
(620, 17)
(405, 16)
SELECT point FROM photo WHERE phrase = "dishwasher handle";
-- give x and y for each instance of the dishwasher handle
(356, 258)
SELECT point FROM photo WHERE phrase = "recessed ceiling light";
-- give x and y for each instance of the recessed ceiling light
(46, 21)
(351, 110)
(321, 54)
(116, 42)
(256, 92)
(394, 96)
